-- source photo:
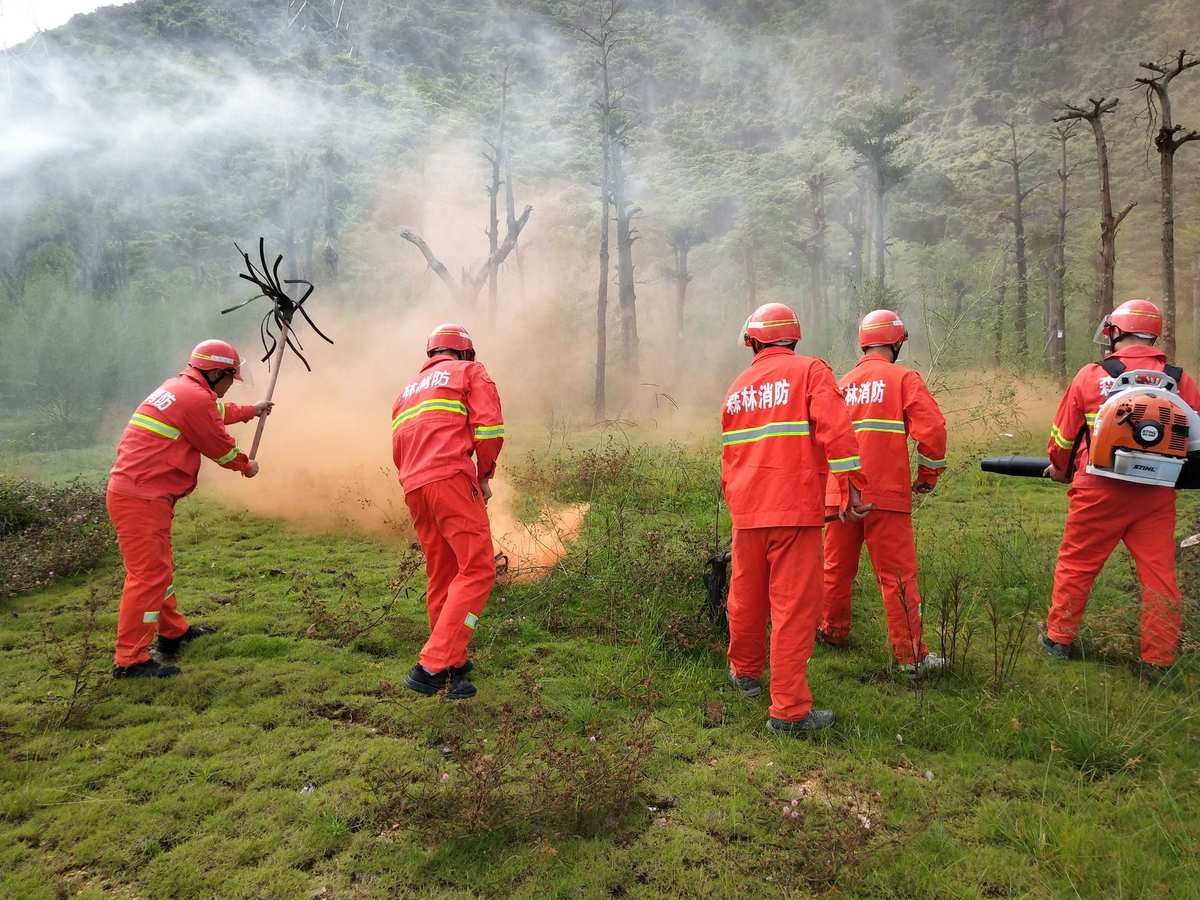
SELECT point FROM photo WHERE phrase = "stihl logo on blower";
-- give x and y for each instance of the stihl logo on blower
(1144, 431)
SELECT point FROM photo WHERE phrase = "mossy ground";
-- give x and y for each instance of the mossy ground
(286, 762)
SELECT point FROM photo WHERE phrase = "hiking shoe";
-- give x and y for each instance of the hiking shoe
(427, 683)
(749, 687)
(460, 688)
(1061, 652)
(931, 663)
(151, 668)
(1152, 673)
(460, 671)
(828, 640)
(816, 720)
(168, 646)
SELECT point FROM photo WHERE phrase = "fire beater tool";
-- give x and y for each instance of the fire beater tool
(277, 319)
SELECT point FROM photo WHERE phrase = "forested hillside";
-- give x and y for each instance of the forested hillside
(143, 140)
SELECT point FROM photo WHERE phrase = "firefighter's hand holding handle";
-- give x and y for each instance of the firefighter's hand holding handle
(1055, 474)
(251, 470)
(264, 408)
(855, 510)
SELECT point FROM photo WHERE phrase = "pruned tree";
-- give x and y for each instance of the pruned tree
(466, 289)
(683, 239)
(1168, 138)
(875, 137)
(1063, 134)
(1093, 113)
(599, 29)
(813, 245)
(1014, 160)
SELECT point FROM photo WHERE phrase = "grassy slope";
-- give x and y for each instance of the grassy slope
(282, 763)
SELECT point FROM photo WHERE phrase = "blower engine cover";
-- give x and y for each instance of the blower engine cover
(1144, 431)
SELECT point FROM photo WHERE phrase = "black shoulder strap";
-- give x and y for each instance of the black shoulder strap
(1174, 371)
(1113, 366)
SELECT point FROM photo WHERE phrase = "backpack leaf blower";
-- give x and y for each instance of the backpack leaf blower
(1144, 433)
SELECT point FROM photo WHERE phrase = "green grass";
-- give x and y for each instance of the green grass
(286, 760)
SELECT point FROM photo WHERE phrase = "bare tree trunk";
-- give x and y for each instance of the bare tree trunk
(1166, 142)
(1109, 222)
(751, 275)
(998, 334)
(1058, 279)
(598, 397)
(493, 232)
(626, 295)
(880, 242)
(1014, 161)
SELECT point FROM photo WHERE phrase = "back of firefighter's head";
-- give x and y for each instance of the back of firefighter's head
(771, 325)
(219, 363)
(452, 339)
(1133, 322)
(882, 330)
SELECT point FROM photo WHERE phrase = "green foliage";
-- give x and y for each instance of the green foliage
(48, 533)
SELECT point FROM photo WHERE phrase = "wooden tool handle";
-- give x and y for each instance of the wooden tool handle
(275, 366)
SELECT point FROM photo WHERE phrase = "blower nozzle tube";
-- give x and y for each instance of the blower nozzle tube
(1021, 466)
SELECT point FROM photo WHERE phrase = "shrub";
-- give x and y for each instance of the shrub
(49, 532)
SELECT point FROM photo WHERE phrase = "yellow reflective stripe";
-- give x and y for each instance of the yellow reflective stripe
(761, 432)
(1090, 417)
(159, 428)
(1057, 436)
(230, 456)
(149, 617)
(437, 404)
(488, 432)
(845, 464)
(896, 426)
(221, 409)
(471, 620)
(924, 460)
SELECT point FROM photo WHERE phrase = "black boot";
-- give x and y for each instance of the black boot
(151, 668)
(1061, 652)
(169, 646)
(463, 670)
(427, 683)
(460, 688)
(816, 720)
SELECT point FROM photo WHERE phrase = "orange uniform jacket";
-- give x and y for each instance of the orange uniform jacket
(1088, 390)
(784, 430)
(158, 456)
(888, 404)
(450, 411)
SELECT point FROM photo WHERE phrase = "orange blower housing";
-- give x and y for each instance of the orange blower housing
(1143, 432)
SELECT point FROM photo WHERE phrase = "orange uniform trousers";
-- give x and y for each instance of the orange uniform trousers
(893, 551)
(148, 599)
(776, 574)
(451, 521)
(1101, 512)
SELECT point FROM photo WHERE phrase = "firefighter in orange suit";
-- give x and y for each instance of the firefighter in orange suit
(158, 460)
(1102, 511)
(784, 430)
(888, 404)
(449, 413)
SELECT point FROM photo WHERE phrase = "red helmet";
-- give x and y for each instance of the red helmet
(1140, 317)
(771, 323)
(214, 356)
(449, 336)
(881, 328)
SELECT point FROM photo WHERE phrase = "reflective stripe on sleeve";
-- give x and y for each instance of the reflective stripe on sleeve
(470, 620)
(895, 426)
(487, 432)
(149, 617)
(221, 409)
(845, 464)
(761, 432)
(928, 463)
(230, 456)
(1057, 436)
(437, 404)
(160, 428)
